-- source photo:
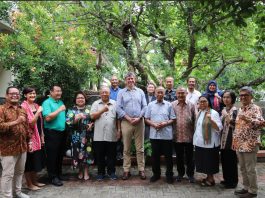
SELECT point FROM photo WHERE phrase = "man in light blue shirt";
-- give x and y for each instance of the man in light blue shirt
(160, 116)
(131, 105)
(114, 88)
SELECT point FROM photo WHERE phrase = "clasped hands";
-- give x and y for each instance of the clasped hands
(159, 125)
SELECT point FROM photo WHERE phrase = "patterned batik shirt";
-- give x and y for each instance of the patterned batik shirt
(247, 133)
(13, 139)
(185, 121)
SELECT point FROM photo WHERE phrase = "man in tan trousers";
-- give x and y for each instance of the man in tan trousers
(131, 106)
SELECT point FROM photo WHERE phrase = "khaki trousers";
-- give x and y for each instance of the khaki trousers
(247, 162)
(13, 170)
(128, 132)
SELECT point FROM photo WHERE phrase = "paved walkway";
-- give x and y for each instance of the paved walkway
(135, 187)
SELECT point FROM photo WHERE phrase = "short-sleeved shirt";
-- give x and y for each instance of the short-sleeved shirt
(49, 106)
(114, 93)
(159, 112)
(105, 125)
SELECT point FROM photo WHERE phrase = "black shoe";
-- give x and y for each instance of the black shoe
(179, 178)
(154, 178)
(230, 186)
(63, 178)
(223, 183)
(248, 195)
(56, 182)
(241, 192)
(191, 179)
(170, 180)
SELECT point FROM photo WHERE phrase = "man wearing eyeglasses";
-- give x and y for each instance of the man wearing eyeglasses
(246, 141)
(14, 143)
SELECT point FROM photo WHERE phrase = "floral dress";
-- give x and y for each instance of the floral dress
(81, 137)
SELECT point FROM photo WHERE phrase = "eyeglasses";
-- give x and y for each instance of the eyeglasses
(244, 95)
(13, 94)
(80, 98)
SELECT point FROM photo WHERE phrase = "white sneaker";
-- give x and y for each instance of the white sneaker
(22, 195)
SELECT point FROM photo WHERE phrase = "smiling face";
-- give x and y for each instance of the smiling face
(80, 100)
(245, 97)
(104, 94)
(169, 83)
(150, 89)
(56, 93)
(13, 96)
(191, 83)
(31, 96)
(160, 93)
(203, 103)
(130, 81)
(181, 94)
(212, 87)
(114, 81)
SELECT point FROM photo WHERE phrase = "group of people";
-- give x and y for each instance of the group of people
(197, 127)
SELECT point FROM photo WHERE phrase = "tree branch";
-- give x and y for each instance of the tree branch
(225, 64)
(255, 82)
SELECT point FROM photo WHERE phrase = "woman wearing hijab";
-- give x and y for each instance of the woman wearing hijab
(207, 141)
(214, 95)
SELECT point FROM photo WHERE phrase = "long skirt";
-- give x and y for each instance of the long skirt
(207, 160)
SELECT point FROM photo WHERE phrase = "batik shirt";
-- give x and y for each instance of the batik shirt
(247, 133)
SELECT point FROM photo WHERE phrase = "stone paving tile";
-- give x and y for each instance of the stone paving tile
(134, 187)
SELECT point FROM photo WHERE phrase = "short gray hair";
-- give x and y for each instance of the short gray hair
(129, 74)
(248, 89)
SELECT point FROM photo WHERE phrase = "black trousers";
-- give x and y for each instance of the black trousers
(184, 153)
(162, 147)
(55, 147)
(229, 166)
(106, 156)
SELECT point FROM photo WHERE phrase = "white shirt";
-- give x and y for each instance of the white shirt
(215, 138)
(193, 97)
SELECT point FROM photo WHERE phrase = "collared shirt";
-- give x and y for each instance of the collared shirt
(131, 103)
(13, 139)
(170, 95)
(215, 137)
(247, 133)
(159, 112)
(105, 125)
(193, 97)
(228, 118)
(114, 93)
(58, 123)
(185, 121)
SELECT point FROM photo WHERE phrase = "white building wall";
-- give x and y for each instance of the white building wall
(5, 78)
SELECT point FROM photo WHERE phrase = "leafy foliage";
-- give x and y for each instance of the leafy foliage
(41, 54)
(222, 40)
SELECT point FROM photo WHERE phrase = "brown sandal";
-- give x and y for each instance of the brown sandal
(207, 183)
